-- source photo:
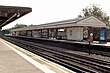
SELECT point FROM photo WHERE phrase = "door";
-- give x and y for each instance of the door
(78, 35)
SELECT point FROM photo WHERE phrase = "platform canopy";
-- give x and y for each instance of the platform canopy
(89, 21)
(11, 13)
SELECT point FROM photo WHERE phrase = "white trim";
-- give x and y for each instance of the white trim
(35, 63)
(91, 21)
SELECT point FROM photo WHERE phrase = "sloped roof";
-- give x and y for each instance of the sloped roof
(75, 20)
(65, 23)
(11, 13)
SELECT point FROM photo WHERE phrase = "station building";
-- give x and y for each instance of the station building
(72, 29)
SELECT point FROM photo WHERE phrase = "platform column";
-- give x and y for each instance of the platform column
(26, 33)
(1, 32)
(41, 33)
(51, 33)
(15, 33)
(56, 33)
(47, 33)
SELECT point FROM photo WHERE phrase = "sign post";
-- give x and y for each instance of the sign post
(90, 37)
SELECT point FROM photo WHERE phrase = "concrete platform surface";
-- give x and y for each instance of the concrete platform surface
(14, 59)
(11, 62)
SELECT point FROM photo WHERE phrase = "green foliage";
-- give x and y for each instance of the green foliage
(20, 26)
(96, 11)
(6, 31)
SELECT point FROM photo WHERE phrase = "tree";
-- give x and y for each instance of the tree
(97, 11)
(8, 31)
(20, 25)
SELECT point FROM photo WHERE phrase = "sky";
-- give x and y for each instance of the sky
(45, 11)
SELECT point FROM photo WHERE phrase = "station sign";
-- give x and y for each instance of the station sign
(85, 33)
(90, 35)
(103, 35)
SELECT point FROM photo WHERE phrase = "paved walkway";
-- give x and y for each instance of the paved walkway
(11, 62)
(14, 59)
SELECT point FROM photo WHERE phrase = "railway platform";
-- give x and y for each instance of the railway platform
(93, 43)
(14, 59)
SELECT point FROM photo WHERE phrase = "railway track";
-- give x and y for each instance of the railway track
(74, 62)
(67, 45)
